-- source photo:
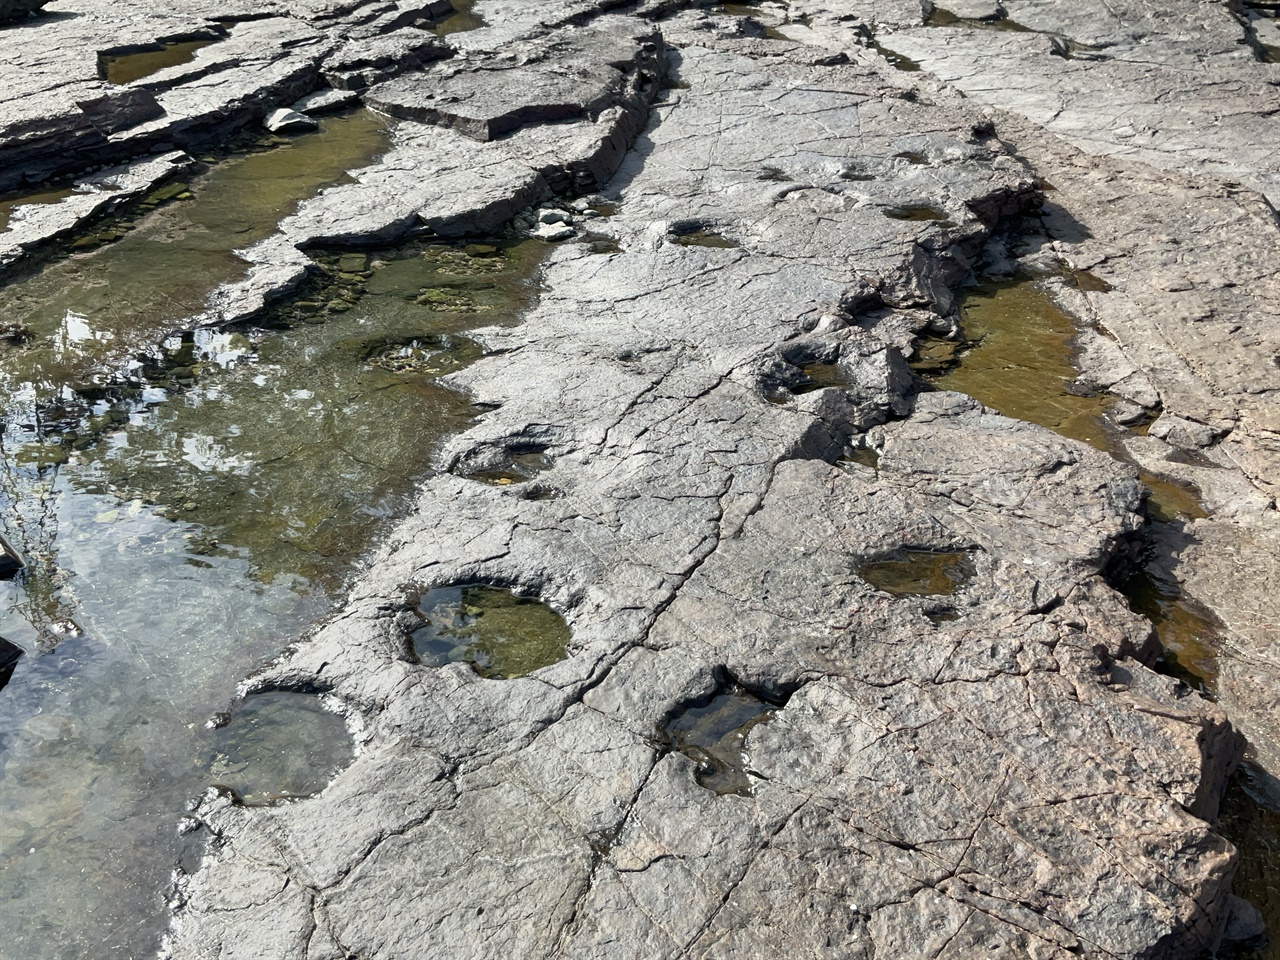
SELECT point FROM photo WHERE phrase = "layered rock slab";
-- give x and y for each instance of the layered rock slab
(1010, 780)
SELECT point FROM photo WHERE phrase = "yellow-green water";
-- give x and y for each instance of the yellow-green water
(128, 68)
(192, 514)
(499, 634)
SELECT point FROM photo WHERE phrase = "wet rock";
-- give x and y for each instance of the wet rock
(554, 231)
(10, 654)
(10, 562)
(581, 74)
(289, 121)
(1244, 923)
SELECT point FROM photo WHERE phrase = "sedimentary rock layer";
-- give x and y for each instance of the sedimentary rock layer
(996, 772)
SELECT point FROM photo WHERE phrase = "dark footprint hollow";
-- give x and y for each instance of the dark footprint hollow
(920, 573)
(714, 734)
(501, 635)
(278, 746)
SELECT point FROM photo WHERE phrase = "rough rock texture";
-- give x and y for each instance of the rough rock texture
(1165, 189)
(994, 774)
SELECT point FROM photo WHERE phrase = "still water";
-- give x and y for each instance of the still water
(185, 521)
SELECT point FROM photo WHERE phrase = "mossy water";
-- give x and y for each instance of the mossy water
(919, 573)
(499, 634)
(183, 522)
(1017, 357)
(93, 308)
(130, 66)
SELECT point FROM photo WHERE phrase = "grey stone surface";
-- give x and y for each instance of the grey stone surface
(1009, 782)
(997, 773)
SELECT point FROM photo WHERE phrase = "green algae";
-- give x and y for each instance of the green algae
(500, 634)
(130, 66)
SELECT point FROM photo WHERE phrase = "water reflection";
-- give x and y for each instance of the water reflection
(182, 519)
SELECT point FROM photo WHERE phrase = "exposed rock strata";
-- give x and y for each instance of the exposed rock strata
(1012, 781)
(993, 774)
(1190, 250)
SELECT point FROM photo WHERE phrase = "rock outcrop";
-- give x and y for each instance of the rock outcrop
(729, 443)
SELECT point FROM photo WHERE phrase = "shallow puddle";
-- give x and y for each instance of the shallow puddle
(945, 18)
(130, 67)
(820, 376)
(501, 635)
(518, 467)
(1019, 360)
(704, 238)
(895, 59)
(920, 573)
(463, 18)
(181, 524)
(277, 746)
(1187, 633)
(714, 735)
(920, 214)
(97, 307)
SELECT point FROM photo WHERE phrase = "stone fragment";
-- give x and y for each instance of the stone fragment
(1182, 432)
(551, 215)
(285, 120)
(553, 231)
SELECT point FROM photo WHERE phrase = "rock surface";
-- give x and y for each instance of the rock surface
(995, 771)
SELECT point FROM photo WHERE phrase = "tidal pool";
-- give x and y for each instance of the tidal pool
(1018, 359)
(277, 746)
(500, 634)
(920, 573)
(714, 735)
(463, 18)
(184, 522)
(133, 65)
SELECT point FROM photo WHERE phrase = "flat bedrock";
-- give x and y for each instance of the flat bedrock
(994, 773)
